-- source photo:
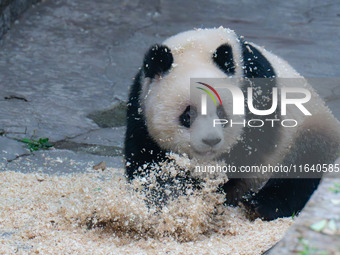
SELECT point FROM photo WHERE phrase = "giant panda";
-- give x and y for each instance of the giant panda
(163, 117)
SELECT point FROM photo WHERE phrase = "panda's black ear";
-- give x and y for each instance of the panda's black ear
(157, 61)
(255, 65)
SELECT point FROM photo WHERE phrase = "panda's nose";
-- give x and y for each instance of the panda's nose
(211, 141)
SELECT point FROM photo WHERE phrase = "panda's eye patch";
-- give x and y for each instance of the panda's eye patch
(221, 113)
(188, 116)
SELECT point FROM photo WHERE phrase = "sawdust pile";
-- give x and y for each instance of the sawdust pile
(98, 212)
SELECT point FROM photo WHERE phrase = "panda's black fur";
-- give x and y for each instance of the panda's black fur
(279, 197)
(140, 148)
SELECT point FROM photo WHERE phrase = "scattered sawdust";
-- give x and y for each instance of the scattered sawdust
(98, 212)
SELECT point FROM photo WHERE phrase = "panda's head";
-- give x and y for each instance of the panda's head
(171, 111)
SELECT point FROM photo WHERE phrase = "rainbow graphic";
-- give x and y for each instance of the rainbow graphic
(209, 93)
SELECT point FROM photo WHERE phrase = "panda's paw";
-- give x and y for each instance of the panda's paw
(232, 198)
(266, 208)
(257, 210)
(234, 189)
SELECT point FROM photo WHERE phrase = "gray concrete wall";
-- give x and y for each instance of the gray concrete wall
(10, 10)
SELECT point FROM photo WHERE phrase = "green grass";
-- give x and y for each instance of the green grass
(335, 188)
(309, 250)
(293, 215)
(35, 145)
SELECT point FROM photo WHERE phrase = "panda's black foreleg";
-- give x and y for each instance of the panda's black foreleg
(281, 198)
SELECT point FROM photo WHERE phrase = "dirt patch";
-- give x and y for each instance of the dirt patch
(112, 117)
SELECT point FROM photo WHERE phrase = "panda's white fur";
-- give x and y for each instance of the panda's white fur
(162, 98)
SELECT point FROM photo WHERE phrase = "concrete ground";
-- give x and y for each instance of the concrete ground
(66, 66)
